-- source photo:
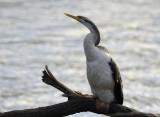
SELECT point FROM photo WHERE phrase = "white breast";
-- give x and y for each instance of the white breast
(99, 75)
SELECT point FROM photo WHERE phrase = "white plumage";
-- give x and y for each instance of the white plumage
(98, 70)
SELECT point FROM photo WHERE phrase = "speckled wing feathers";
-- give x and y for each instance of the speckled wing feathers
(118, 91)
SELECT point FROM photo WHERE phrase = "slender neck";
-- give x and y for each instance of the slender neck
(96, 33)
(94, 30)
(91, 40)
(89, 47)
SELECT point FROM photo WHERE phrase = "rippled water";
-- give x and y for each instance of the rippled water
(35, 33)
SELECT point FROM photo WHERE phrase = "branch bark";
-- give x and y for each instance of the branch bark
(76, 103)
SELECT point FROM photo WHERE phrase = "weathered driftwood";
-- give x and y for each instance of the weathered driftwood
(76, 103)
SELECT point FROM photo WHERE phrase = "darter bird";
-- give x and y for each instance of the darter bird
(102, 72)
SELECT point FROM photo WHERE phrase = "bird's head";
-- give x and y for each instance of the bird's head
(88, 23)
(84, 20)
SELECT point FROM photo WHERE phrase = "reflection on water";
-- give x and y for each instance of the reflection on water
(36, 33)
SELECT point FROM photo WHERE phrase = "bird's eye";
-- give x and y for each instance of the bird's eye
(80, 17)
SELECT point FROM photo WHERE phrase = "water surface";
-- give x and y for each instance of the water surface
(35, 33)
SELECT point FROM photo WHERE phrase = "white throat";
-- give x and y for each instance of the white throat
(89, 47)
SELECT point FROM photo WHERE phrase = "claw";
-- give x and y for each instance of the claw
(79, 92)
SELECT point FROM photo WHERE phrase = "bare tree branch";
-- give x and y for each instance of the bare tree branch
(76, 103)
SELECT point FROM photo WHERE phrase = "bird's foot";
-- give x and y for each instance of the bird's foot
(86, 95)
(79, 92)
(102, 106)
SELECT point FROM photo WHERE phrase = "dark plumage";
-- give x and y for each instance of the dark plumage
(118, 91)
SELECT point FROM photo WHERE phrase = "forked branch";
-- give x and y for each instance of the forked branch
(76, 103)
(96, 106)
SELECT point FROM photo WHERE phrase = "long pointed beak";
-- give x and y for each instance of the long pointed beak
(74, 17)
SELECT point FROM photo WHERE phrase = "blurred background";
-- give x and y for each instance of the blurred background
(35, 33)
